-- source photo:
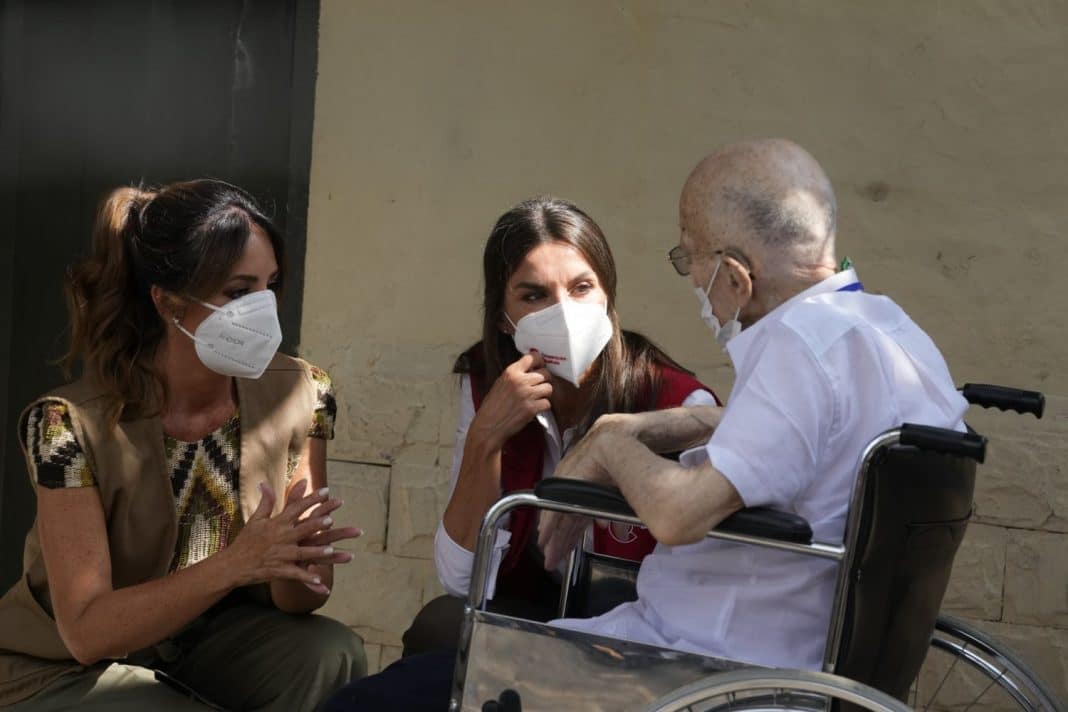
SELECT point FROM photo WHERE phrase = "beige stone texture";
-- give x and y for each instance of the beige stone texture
(379, 594)
(418, 495)
(975, 589)
(940, 124)
(1023, 482)
(1043, 649)
(364, 489)
(1036, 579)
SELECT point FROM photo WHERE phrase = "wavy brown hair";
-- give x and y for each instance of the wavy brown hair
(185, 238)
(626, 376)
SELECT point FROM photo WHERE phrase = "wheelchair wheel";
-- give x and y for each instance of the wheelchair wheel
(967, 669)
(756, 690)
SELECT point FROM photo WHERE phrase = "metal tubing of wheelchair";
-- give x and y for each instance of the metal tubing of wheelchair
(834, 635)
(476, 595)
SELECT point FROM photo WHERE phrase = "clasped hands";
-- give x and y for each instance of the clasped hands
(292, 544)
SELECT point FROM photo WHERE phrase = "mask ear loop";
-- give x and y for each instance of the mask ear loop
(512, 323)
(178, 324)
(708, 289)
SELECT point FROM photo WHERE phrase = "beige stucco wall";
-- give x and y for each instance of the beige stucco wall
(941, 125)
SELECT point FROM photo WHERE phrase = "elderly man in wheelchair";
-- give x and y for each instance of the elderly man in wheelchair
(807, 528)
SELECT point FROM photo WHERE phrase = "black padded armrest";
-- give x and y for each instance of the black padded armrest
(768, 523)
(755, 521)
(584, 494)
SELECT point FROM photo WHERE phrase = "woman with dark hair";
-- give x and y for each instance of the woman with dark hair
(183, 523)
(552, 359)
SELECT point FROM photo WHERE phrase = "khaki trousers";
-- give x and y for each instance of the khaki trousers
(247, 657)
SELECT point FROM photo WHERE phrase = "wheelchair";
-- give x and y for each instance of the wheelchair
(887, 647)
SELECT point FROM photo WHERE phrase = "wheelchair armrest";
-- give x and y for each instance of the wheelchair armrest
(755, 521)
(583, 494)
(768, 523)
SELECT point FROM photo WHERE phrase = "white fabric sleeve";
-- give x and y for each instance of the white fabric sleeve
(454, 562)
(770, 439)
(699, 397)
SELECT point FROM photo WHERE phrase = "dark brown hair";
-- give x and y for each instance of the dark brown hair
(626, 372)
(184, 237)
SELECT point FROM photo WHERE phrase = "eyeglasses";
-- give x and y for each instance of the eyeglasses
(681, 259)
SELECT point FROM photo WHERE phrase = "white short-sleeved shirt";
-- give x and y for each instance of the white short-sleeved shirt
(452, 560)
(816, 380)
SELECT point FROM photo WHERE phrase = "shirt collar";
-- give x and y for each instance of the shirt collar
(739, 346)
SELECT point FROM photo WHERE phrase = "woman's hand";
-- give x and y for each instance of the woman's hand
(324, 537)
(272, 547)
(519, 393)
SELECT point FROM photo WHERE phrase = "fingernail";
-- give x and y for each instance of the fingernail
(328, 550)
(324, 491)
(317, 580)
(359, 532)
(327, 521)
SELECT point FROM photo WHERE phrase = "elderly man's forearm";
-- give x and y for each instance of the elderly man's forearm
(678, 505)
(674, 429)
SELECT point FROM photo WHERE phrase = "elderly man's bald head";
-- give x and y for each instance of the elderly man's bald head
(768, 198)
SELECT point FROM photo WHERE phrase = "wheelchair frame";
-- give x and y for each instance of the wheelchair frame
(626, 655)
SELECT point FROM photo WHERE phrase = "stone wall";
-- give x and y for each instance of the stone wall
(941, 125)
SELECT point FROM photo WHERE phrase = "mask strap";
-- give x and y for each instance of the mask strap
(178, 325)
(514, 327)
(708, 289)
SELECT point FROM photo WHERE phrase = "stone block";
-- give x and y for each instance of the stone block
(384, 419)
(365, 491)
(975, 589)
(1023, 482)
(1043, 650)
(378, 595)
(1036, 579)
(418, 494)
(948, 684)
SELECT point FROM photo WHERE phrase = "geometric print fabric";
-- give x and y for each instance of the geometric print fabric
(205, 475)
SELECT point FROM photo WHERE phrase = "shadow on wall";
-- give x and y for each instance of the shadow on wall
(96, 95)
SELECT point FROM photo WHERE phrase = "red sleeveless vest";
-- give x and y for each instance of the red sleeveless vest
(523, 457)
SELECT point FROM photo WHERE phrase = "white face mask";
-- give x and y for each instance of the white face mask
(568, 335)
(722, 333)
(241, 337)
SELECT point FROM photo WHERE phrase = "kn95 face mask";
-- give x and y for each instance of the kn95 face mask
(569, 336)
(241, 337)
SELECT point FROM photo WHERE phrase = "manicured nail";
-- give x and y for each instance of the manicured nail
(328, 550)
(324, 491)
(327, 521)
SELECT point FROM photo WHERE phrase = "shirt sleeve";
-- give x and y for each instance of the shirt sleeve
(56, 456)
(325, 412)
(770, 439)
(453, 562)
(699, 397)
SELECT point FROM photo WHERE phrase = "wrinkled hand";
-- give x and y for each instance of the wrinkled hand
(324, 537)
(270, 547)
(519, 393)
(559, 533)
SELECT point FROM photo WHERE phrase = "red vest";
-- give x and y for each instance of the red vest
(522, 459)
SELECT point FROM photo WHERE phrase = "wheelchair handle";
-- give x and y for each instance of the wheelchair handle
(949, 442)
(1005, 398)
